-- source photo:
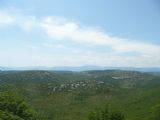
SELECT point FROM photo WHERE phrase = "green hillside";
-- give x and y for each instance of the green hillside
(65, 95)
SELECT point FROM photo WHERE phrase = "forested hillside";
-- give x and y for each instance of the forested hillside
(66, 95)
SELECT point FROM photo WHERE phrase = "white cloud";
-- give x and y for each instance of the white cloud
(5, 18)
(149, 54)
(17, 19)
(62, 29)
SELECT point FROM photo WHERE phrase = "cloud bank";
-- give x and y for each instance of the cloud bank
(60, 29)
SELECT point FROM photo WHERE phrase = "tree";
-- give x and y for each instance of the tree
(14, 108)
(4, 115)
(105, 114)
(155, 113)
(116, 116)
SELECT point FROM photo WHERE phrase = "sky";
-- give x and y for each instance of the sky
(110, 33)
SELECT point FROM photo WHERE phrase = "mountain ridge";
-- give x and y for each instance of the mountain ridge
(81, 68)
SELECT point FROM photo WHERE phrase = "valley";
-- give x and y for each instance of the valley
(68, 95)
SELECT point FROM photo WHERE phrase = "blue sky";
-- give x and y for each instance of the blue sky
(109, 33)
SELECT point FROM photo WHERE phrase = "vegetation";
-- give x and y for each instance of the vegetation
(14, 108)
(155, 113)
(105, 114)
(67, 95)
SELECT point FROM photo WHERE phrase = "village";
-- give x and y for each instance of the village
(78, 85)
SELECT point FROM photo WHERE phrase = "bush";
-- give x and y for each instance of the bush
(14, 108)
(155, 113)
(105, 114)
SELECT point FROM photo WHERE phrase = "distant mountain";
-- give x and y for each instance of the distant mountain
(5, 68)
(80, 68)
(88, 68)
(59, 68)
(141, 69)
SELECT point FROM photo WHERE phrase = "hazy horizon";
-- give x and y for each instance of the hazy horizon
(79, 68)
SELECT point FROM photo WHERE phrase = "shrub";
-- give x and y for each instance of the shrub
(105, 114)
(14, 108)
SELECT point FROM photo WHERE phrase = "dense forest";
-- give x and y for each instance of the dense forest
(86, 95)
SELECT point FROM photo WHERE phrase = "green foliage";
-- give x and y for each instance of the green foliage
(105, 114)
(117, 116)
(14, 108)
(81, 96)
(135, 95)
(155, 113)
(4, 115)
